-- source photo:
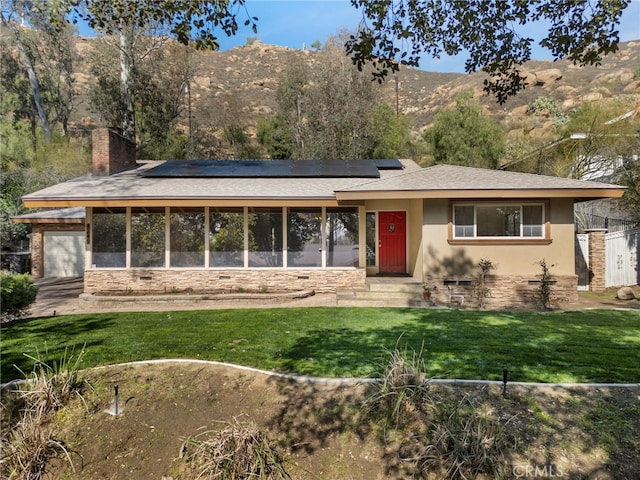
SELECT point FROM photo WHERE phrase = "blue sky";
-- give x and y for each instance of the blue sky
(294, 23)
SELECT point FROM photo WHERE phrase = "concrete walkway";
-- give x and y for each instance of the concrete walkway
(60, 296)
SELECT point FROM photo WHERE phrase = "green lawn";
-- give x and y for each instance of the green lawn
(586, 346)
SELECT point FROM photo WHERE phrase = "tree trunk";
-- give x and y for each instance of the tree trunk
(33, 81)
(127, 83)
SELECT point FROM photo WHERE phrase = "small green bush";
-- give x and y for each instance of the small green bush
(18, 292)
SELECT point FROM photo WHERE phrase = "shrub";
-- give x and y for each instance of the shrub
(546, 282)
(480, 289)
(18, 293)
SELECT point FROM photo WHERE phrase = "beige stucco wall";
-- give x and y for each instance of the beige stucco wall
(413, 208)
(441, 259)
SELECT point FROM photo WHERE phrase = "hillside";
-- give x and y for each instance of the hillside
(240, 85)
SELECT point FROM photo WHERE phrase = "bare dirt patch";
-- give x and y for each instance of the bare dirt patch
(566, 432)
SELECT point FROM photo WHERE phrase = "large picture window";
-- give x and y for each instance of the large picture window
(147, 237)
(304, 237)
(186, 235)
(109, 246)
(342, 237)
(226, 237)
(498, 221)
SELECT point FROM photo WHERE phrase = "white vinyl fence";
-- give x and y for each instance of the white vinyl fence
(621, 254)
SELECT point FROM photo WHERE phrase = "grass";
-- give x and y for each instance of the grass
(585, 346)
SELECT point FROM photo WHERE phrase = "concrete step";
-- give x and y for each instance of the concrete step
(384, 292)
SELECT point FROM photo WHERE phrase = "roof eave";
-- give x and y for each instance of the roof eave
(481, 193)
(58, 202)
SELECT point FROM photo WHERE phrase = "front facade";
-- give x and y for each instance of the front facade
(219, 226)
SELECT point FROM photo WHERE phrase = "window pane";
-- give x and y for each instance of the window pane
(342, 237)
(463, 221)
(147, 237)
(304, 237)
(265, 237)
(532, 221)
(109, 238)
(186, 235)
(371, 239)
(226, 237)
(498, 221)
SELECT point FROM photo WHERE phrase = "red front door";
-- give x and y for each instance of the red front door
(392, 242)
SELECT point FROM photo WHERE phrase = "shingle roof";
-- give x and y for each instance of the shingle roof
(452, 177)
(412, 180)
(132, 184)
(71, 215)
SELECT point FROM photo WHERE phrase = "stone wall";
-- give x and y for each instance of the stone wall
(509, 292)
(597, 260)
(232, 281)
(37, 252)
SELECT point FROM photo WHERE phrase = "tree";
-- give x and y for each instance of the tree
(391, 133)
(46, 56)
(273, 134)
(332, 110)
(598, 137)
(402, 31)
(158, 98)
(464, 135)
(338, 102)
(239, 142)
(188, 21)
(629, 175)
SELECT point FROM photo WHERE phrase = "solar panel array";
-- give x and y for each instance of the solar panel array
(272, 168)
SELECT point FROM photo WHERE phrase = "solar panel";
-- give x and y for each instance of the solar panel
(272, 168)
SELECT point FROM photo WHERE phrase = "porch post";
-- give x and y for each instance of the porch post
(597, 259)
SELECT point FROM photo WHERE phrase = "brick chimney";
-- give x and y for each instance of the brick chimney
(112, 153)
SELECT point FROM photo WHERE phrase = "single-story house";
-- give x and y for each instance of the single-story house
(325, 225)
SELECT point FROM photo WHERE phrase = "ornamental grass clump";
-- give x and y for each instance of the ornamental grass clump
(236, 452)
(403, 388)
(28, 441)
(461, 441)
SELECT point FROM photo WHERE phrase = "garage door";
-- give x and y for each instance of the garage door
(64, 254)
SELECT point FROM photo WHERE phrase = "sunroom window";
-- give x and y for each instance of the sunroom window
(109, 237)
(148, 237)
(498, 221)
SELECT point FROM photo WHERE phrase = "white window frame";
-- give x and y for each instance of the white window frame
(521, 235)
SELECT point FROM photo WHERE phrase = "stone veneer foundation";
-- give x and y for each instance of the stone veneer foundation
(505, 292)
(202, 280)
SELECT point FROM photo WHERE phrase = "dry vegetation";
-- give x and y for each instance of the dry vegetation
(186, 421)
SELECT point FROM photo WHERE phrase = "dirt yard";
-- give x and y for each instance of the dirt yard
(563, 432)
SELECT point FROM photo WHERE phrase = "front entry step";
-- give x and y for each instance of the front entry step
(384, 292)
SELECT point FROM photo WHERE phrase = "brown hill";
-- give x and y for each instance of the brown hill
(239, 86)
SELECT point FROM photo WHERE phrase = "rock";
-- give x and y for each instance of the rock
(625, 293)
(632, 87)
(545, 77)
